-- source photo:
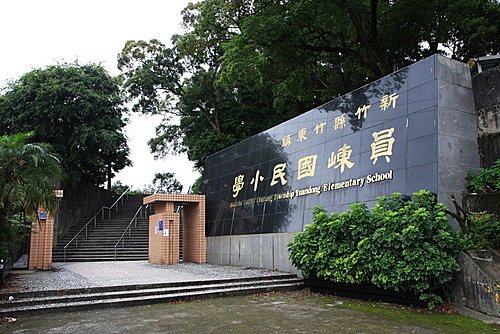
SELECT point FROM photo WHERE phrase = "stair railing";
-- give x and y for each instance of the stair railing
(142, 210)
(94, 219)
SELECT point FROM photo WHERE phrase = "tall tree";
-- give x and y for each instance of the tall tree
(245, 65)
(28, 176)
(78, 110)
(167, 183)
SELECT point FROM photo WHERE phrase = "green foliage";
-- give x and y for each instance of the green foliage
(400, 245)
(75, 108)
(28, 175)
(487, 181)
(166, 183)
(13, 230)
(483, 232)
(162, 183)
(196, 187)
(244, 66)
(118, 187)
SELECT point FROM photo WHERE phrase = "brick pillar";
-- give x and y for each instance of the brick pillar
(164, 247)
(42, 233)
(195, 242)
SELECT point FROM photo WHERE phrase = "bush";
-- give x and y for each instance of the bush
(483, 231)
(487, 181)
(402, 244)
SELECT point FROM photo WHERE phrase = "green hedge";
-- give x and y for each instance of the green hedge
(402, 244)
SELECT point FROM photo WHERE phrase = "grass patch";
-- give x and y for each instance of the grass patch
(445, 323)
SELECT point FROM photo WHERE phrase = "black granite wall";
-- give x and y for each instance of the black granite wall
(416, 134)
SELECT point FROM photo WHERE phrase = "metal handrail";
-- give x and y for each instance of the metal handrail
(129, 229)
(94, 218)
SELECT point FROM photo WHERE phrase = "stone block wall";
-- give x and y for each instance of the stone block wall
(486, 87)
(475, 289)
(457, 128)
(265, 251)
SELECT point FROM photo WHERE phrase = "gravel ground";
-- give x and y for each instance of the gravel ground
(94, 274)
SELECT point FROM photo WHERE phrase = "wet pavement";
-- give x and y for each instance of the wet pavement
(291, 312)
(95, 274)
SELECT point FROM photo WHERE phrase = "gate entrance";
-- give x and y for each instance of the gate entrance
(177, 229)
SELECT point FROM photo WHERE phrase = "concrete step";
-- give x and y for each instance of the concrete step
(102, 297)
(101, 241)
(98, 245)
(102, 251)
(126, 257)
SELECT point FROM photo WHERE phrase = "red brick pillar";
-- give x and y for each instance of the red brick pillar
(164, 228)
(42, 234)
(195, 242)
(164, 234)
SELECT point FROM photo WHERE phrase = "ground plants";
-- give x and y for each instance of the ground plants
(402, 244)
(483, 231)
(486, 181)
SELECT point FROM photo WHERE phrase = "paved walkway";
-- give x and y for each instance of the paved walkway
(95, 274)
(290, 313)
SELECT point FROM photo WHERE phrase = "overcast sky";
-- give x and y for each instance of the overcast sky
(38, 33)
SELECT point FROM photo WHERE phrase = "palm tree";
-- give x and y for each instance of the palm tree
(29, 173)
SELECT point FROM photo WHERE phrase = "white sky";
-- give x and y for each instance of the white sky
(36, 33)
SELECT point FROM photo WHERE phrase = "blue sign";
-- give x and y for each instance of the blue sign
(160, 225)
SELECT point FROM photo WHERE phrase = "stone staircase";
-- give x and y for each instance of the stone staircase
(100, 242)
(103, 297)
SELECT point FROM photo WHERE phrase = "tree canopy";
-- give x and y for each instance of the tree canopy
(75, 108)
(29, 173)
(243, 66)
(167, 183)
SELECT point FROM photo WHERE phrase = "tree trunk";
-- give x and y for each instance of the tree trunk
(109, 177)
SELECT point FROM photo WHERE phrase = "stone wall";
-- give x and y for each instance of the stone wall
(486, 87)
(482, 202)
(475, 288)
(266, 251)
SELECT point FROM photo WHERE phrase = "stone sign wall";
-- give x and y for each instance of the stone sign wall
(414, 129)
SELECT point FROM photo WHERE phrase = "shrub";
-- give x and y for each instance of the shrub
(488, 179)
(483, 231)
(402, 244)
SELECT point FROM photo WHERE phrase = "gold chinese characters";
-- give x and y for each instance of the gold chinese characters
(387, 101)
(381, 146)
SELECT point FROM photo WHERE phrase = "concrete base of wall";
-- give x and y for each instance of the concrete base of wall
(265, 251)
(475, 288)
